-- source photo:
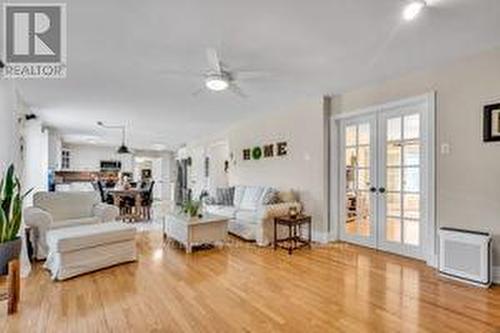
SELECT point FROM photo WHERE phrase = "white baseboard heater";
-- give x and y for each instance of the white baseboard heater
(466, 256)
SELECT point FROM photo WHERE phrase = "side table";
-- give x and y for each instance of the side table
(294, 240)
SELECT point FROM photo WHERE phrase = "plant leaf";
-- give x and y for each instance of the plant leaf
(3, 226)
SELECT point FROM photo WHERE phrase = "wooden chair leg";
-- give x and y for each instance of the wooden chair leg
(13, 286)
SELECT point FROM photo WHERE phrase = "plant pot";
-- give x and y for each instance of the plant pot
(9, 251)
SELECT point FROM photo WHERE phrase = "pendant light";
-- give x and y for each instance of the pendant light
(123, 149)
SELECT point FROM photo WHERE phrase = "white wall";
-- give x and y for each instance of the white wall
(55, 147)
(36, 157)
(7, 124)
(302, 169)
(468, 179)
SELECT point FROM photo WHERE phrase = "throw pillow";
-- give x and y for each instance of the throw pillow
(271, 197)
(288, 196)
(224, 196)
(210, 200)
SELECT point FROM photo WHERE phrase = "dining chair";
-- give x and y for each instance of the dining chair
(147, 201)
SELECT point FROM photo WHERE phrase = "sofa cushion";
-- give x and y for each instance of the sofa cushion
(86, 236)
(75, 222)
(251, 198)
(244, 230)
(66, 205)
(226, 211)
(249, 215)
(239, 192)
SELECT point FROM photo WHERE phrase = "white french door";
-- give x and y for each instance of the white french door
(384, 178)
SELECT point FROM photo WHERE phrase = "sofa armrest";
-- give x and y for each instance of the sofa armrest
(279, 209)
(105, 212)
(37, 218)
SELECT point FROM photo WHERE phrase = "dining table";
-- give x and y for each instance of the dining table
(120, 194)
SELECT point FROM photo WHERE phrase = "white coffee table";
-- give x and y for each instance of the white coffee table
(210, 229)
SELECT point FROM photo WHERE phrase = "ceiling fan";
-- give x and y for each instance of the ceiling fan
(220, 77)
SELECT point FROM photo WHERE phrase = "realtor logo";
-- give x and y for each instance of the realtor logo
(34, 41)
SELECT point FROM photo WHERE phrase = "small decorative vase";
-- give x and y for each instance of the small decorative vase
(9, 251)
(293, 212)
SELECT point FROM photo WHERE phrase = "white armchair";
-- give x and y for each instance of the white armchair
(53, 210)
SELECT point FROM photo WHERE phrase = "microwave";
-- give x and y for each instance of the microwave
(111, 165)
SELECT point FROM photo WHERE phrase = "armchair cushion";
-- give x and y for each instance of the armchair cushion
(105, 212)
(74, 222)
(66, 205)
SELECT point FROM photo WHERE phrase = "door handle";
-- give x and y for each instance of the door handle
(373, 189)
(381, 190)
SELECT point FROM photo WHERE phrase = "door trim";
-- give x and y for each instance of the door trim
(429, 242)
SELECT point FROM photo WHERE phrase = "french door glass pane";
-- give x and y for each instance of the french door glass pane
(393, 154)
(411, 206)
(394, 179)
(411, 181)
(364, 134)
(411, 232)
(363, 179)
(394, 129)
(363, 213)
(393, 230)
(364, 156)
(412, 126)
(411, 154)
(393, 204)
(350, 157)
(350, 136)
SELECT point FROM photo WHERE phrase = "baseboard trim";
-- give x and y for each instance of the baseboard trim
(320, 237)
(495, 270)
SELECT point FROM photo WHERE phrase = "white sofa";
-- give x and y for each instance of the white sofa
(53, 210)
(250, 219)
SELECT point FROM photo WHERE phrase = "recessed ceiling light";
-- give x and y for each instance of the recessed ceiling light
(413, 9)
(216, 83)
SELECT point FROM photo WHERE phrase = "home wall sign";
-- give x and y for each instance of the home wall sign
(491, 123)
(266, 151)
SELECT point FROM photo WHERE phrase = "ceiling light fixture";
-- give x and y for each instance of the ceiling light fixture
(123, 149)
(216, 83)
(413, 8)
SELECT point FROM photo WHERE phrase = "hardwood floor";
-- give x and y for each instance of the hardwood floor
(242, 288)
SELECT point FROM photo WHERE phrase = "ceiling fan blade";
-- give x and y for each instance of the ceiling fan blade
(250, 75)
(197, 92)
(213, 60)
(237, 90)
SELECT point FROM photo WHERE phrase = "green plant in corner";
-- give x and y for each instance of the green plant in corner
(11, 205)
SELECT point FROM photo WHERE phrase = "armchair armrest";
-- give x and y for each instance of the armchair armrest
(279, 209)
(37, 218)
(40, 222)
(105, 212)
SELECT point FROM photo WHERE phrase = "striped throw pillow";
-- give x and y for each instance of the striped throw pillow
(224, 196)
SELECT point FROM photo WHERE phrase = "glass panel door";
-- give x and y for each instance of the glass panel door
(358, 179)
(400, 170)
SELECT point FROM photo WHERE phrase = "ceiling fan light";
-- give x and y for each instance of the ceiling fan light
(216, 84)
(412, 10)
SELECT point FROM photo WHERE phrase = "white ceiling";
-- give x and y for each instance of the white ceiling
(118, 49)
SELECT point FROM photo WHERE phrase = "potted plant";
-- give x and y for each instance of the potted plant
(11, 208)
(191, 207)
